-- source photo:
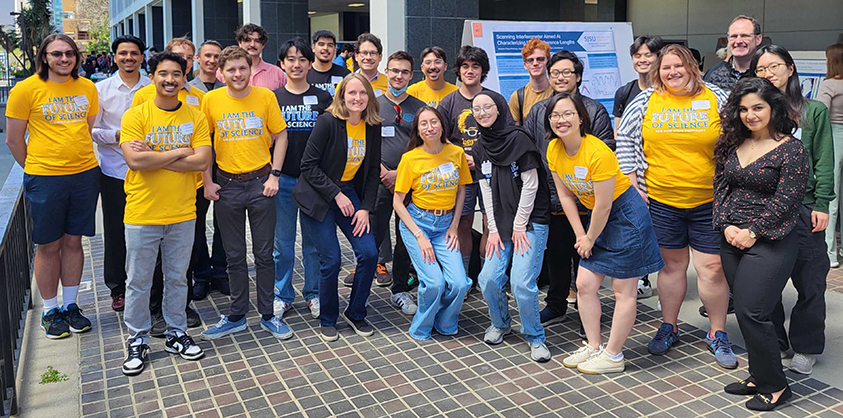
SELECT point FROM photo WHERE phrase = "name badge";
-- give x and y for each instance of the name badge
(378, 93)
(387, 131)
(700, 105)
(255, 122)
(486, 168)
(797, 133)
(310, 100)
(447, 168)
(81, 100)
(580, 173)
(186, 128)
(335, 79)
(192, 100)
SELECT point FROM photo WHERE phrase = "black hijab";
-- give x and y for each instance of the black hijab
(505, 144)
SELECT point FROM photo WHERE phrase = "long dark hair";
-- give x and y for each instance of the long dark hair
(416, 140)
(585, 121)
(734, 132)
(793, 90)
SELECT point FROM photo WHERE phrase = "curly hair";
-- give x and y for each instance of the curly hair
(734, 132)
(534, 44)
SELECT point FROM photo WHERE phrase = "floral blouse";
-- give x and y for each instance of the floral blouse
(766, 194)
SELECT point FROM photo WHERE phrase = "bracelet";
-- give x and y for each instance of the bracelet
(419, 232)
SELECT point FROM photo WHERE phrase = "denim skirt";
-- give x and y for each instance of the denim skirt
(627, 248)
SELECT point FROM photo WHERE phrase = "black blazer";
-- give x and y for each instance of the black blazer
(324, 161)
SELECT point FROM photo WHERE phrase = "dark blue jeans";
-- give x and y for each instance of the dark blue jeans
(330, 260)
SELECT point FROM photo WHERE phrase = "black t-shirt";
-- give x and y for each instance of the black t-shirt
(300, 112)
(623, 97)
(527, 162)
(395, 136)
(460, 126)
(328, 80)
(209, 86)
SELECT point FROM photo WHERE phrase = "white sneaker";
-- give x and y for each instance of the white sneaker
(644, 289)
(313, 304)
(279, 307)
(404, 301)
(601, 363)
(835, 264)
(494, 335)
(539, 352)
(579, 356)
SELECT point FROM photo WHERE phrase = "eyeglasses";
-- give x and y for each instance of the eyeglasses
(367, 53)
(486, 108)
(58, 54)
(567, 115)
(773, 68)
(399, 114)
(426, 124)
(436, 62)
(742, 36)
(396, 71)
(538, 60)
(567, 73)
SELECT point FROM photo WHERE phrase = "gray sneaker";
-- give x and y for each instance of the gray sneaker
(539, 352)
(802, 363)
(494, 335)
(722, 350)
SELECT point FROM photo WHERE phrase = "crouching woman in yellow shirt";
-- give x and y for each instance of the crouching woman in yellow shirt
(620, 241)
(437, 172)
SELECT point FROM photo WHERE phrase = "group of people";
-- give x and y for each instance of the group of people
(735, 168)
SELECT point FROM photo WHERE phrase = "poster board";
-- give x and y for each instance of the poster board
(603, 48)
(812, 70)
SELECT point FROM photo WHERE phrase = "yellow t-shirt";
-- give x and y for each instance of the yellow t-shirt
(59, 136)
(192, 98)
(430, 97)
(356, 149)
(243, 128)
(530, 98)
(434, 179)
(162, 197)
(679, 134)
(594, 161)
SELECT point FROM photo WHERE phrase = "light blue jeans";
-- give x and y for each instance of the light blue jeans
(525, 269)
(284, 254)
(443, 284)
(142, 242)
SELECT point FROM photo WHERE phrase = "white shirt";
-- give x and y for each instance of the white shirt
(115, 99)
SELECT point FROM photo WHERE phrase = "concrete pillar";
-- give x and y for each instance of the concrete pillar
(136, 23)
(387, 21)
(198, 21)
(168, 20)
(252, 12)
(147, 22)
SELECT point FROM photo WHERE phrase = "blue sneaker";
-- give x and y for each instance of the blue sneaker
(277, 328)
(664, 339)
(223, 328)
(722, 350)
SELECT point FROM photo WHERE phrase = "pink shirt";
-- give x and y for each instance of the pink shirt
(266, 75)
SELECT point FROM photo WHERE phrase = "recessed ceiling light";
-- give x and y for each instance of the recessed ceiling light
(310, 12)
(356, 4)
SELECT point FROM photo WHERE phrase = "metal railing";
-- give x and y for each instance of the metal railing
(16, 255)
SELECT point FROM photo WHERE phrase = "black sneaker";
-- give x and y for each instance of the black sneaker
(54, 324)
(193, 319)
(221, 284)
(73, 315)
(200, 290)
(159, 325)
(361, 327)
(729, 311)
(136, 360)
(184, 346)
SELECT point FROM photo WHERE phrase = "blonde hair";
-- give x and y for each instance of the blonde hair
(340, 111)
(695, 86)
(179, 41)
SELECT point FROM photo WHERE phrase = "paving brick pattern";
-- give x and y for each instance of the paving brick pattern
(251, 374)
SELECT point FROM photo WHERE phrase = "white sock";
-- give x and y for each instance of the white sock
(68, 295)
(50, 304)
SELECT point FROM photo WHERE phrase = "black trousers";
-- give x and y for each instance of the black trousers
(757, 277)
(113, 199)
(400, 257)
(807, 319)
(560, 262)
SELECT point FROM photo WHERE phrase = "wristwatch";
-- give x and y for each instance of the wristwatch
(276, 173)
(752, 234)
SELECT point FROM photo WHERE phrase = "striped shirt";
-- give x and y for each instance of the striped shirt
(630, 144)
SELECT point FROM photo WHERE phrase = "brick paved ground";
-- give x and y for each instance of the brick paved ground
(251, 374)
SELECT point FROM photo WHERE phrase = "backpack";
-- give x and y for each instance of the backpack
(520, 95)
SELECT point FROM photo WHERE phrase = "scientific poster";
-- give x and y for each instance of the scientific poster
(812, 70)
(603, 48)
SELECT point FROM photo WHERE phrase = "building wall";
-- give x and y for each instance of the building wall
(803, 25)
(282, 19)
(437, 22)
(221, 26)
